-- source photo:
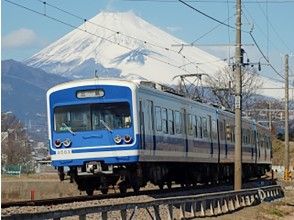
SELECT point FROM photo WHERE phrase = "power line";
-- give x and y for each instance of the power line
(206, 15)
(215, 1)
(270, 23)
(80, 29)
(259, 49)
(220, 22)
(208, 32)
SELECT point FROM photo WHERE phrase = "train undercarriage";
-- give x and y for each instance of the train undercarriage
(135, 176)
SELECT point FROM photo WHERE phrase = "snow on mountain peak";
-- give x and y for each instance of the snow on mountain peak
(121, 44)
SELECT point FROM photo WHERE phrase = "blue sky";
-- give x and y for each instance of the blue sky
(25, 33)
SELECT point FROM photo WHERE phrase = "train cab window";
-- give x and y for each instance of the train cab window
(164, 121)
(171, 124)
(178, 122)
(101, 116)
(158, 118)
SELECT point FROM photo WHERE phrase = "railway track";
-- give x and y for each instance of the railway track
(172, 207)
(153, 193)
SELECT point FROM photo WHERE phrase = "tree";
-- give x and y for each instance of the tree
(223, 86)
(15, 145)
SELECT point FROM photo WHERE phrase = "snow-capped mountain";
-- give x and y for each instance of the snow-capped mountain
(124, 45)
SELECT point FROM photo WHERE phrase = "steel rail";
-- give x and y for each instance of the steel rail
(209, 204)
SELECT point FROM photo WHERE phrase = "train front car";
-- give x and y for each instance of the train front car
(92, 134)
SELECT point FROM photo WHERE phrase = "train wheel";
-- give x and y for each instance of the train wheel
(161, 185)
(104, 190)
(136, 188)
(123, 187)
(169, 184)
(90, 191)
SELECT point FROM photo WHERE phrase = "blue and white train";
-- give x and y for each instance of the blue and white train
(128, 133)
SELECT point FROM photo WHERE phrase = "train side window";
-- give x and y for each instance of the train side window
(158, 118)
(214, 130)
(178, 122)
(164, 121)
(221, 130)
(200, 127)
(190, 124)
(228, 133)
(195, 126)
(171, 124)
(204, 127)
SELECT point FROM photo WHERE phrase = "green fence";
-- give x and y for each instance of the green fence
(13, 170)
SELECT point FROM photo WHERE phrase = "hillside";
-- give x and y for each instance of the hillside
(23, 92)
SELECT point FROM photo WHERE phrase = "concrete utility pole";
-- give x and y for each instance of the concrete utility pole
(286, 156)
(238, 102)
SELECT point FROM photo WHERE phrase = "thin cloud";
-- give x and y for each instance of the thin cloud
(21, 38)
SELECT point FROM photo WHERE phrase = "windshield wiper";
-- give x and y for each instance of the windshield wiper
(68, 128)
(106, 125)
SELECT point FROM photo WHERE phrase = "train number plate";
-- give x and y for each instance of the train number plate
(63, 151)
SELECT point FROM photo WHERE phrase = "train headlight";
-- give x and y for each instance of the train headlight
(117, 139)
(67, 142)
(57, 143)
(128, 139)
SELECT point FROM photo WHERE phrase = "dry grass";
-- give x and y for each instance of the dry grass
(278, 152)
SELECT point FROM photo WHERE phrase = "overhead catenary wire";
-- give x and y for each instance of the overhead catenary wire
(206, 15)
(250, 33)
(208, 32)
(265, 13)
(259, 49)
(215, 1)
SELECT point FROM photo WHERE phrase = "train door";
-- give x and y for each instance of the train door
(149, 127)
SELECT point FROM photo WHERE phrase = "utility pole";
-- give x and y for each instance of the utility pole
(238, 103)
(286, 156)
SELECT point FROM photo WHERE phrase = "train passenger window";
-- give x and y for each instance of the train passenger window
(190, 124)
(200, 127)
(164, 121)
(178, 123)
(228, 133)
(171, 124)
(195, 126)
(158, 118)
(214, 130)
(204, 127)
(221, 130)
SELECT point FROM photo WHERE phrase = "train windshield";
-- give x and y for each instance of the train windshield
(101, 116)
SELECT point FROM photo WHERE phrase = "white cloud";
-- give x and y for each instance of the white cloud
(20, 38)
